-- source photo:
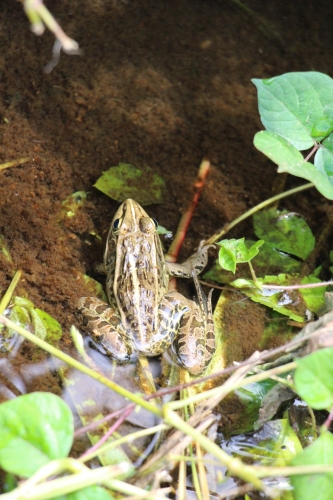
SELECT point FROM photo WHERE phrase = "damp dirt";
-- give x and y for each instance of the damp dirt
(158, 83)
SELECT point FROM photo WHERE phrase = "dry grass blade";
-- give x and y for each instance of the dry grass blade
(201, 420)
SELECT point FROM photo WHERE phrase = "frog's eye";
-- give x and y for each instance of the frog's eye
(155, 222)
(147, 225)
(116, 224)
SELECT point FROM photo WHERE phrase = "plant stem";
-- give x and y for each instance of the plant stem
(313, 150)
(263, 375)
(122, 440)
(135, 398)
(255, 209)
(64, 485)
(235, 466)
(9, 292)
(13, 163)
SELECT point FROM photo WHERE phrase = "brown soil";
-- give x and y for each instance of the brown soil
(162, 83)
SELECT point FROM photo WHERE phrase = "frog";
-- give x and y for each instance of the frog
(143, 318)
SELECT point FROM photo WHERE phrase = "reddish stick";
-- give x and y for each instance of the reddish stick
(185, 220)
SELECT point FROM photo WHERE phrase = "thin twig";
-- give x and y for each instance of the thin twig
(187, 216)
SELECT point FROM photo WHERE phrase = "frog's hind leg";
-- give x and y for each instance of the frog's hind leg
(105, 328)
(195, 344)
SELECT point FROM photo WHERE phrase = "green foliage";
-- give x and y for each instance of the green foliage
(310, 486)
(34, 429)
(24, 313)
(314, 379)
(126, 181)
(297, 106)
(291, 303)
(297, 111)
(234, 252)
(44, 326)
(284, 231)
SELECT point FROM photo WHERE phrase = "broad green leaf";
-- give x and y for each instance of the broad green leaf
(37, 324)
(127, 181)
(292, 303)
(297, 106)
(279, 150)
(34, 429)
(234, 252)
(313, 297)
(314, 379)
(23, 302)
(43, 325)
(290, 160)
(51, 325)
(285, 231)
(268, 261)
(20, 316)
(324, 157)
(228, 254)
(311, 486)
(282, 302)
(275, 261)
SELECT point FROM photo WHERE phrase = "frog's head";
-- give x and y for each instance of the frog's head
(131, 219)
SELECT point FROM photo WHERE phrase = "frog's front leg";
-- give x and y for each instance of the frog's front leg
(196, 263)
(104, 325)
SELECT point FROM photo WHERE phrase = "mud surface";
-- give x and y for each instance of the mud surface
(162, 83)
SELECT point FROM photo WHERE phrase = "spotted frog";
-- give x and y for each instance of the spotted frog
(142, 317)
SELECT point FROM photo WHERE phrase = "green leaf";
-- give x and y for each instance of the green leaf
(126, 181)
(324, 157)
(313, 297)
(20, 316)
(314, 379)
(310, 486)
(228, 254)
(23, 302)
(268, 261)
(290, 160)
(279, 150)
(37, 324)
(44, 326)
(275, 261)
(297, 106)
(234, 252)
(34, 429)
(292, 303)
(163, 230)
(51, 325)
(285, 231)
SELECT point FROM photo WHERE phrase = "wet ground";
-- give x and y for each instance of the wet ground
(161, 83)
